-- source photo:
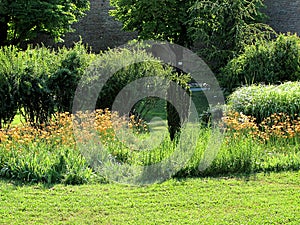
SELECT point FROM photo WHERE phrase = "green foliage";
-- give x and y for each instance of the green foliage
(35, 101)
(136, 64)
(63, 82)
(43, 163)
(39, 81)
(269, 62)
(124, 67)
(262, 101)
(8, 84)
(224, 27)
(20, 21)
(159, 20)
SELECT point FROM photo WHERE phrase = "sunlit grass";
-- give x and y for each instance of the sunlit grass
(257, 199)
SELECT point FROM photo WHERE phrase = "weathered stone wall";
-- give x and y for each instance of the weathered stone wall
(97, 29)
(101, 31)
(284, 15)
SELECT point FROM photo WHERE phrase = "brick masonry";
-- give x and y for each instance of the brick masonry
(101, 31)
(284, 15)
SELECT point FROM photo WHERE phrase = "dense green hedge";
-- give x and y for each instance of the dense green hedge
(262, 101)
(269, 62)
(39, 81)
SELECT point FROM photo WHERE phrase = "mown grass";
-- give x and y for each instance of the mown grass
(258, 199)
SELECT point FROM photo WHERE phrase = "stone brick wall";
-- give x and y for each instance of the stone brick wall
(97, 28)
(101, 31)
(284, 15)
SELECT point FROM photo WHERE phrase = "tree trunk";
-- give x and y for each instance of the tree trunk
(174, 117)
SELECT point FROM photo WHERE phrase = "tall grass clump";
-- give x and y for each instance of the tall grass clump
(250, 147)
(261, 101)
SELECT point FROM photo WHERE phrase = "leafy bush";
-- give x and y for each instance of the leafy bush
(9, 68)
(39, 81)
(63, 82)
(135, 64)
(261, 101)
(265, 62)
(124, 67)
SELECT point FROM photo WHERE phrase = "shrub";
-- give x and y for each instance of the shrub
(269, 62)
(136, 64)
(261, 101)
(39, 81)
(63, 82)
(9, 67)
(49, 81)
(126, 66)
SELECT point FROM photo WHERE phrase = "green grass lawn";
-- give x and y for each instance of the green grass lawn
(259, 199)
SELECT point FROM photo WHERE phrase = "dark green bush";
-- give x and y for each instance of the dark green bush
(262, 101)
(35, 102)
(123, 67)
(270, 62)
(39, 81)
(9, 67)
(63, 82)
(119, 69)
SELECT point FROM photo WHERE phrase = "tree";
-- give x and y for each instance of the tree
(158, 20)
(225, 27)
(21, 20)
(221, 27)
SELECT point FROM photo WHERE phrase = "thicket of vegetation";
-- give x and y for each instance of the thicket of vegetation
(261, 124)
(38, 82)
(268, 62)
(50, 154)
